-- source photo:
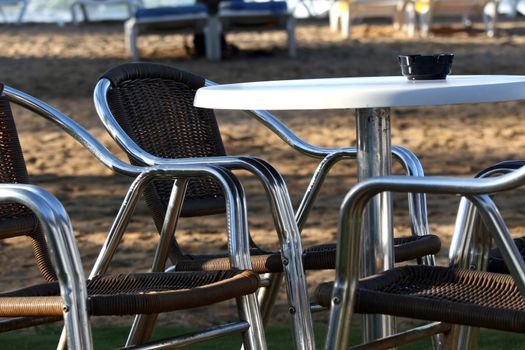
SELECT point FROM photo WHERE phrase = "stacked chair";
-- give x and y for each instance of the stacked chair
(148, 109)
(64, 293)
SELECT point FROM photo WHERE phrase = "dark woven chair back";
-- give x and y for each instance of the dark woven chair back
(154, 105)
(15, 219)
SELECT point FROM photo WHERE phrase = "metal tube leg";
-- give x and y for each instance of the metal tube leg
(267, 296)
(374, 158)
(212, 34)
(291, 251)
(469, 249)
(83, 9)
(290, 31)
(130, 38)
(22, 13)
(143, 325)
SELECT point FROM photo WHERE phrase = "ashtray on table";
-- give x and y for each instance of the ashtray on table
(426, 67)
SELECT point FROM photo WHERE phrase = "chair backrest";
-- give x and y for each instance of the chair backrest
(154, 105)
(15, 219)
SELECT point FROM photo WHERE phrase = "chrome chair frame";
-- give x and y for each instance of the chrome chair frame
(347, 264)
(288, 226)
(238, 236)
(280, 204)
(471, 243)
(57, 229)
(417, 202)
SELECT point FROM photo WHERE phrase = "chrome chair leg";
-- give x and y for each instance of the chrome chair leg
(143, 325)
(268, 295)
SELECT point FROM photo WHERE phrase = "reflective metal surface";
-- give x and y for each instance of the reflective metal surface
(64, 255)
(143, 325)
(239, 246)
(374, 159)
(347, 263)
(280, 204)
(470, 249)
(193, 338)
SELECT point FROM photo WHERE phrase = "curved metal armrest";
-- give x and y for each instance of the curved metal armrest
(417, 203)
(330, 156)
(467, 219)
(56, 227)
(501, 168)
(347, 263)
(73, 129)
(274, 185)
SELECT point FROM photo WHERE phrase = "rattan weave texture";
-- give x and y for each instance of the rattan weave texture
(154, 105)
(129, 294)
(15, 219)
(319, 257)
(158, 114)
(481, 299)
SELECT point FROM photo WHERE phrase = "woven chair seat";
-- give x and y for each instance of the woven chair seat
(480, 299)
(319, 257)
(129, 294)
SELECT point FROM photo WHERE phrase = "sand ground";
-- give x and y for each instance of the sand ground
(61, 65)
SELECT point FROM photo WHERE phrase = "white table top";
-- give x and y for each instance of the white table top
(368, 92)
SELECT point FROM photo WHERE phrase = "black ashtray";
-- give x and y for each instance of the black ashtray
(426, 67)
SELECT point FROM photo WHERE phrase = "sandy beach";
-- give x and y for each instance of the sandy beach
(61, 65)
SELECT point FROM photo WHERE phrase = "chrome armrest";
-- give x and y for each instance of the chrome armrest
(144, 174)
(272, 181)
(57, 229)
(417, 202)
(72, 128)
(330, 156)
(467, 248)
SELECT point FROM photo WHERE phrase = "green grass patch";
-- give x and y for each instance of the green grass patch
(278, 337)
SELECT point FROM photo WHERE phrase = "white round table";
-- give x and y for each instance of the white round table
(372, 98)
(370, 92)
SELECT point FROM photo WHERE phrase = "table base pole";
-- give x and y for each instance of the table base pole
(374, 158)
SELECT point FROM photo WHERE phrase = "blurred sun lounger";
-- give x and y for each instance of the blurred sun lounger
(344, 11)
(21, 3)
(428, 10)
(83, 4)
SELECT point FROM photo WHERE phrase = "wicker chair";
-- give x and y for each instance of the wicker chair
(164, 125)
(457, 297)
(123, 294)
